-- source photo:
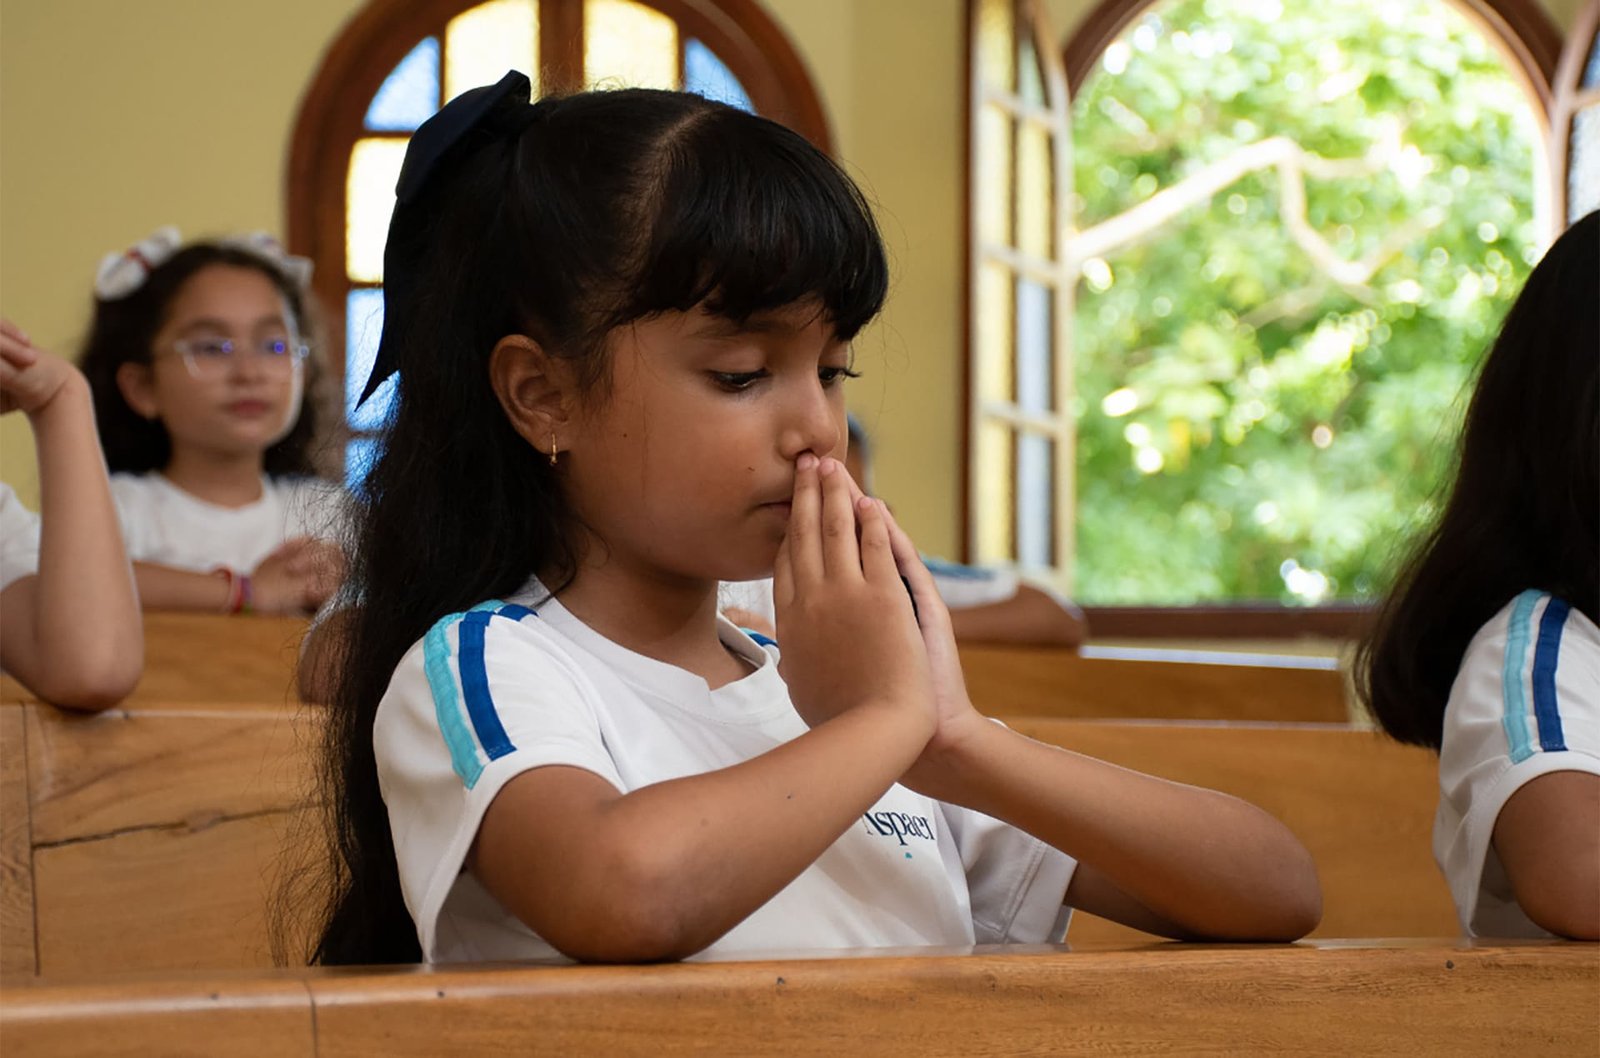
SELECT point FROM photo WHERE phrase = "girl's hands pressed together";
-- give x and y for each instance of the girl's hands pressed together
(845, 622)
(954, 714)
(298, 577)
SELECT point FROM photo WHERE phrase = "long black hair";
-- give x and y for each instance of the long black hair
(123, 330)
(1522, 512)
(560, 221)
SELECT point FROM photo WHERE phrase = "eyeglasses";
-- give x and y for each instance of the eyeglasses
(209, 357)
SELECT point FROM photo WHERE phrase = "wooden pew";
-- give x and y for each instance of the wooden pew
(1420, 998)
(209, 659)
(154, 836)
(1156, 684)
(146, 838)
(213, 660)
(1362, 804)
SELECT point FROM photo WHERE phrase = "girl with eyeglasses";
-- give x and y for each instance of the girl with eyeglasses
(200, 361)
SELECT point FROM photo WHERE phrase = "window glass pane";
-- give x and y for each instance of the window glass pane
(410, 94)
(363, 325)
(1591, 69)
(705, 74)
(482, 43)
(1030, 79)
(1583, 164)
(995, 52)
(995, 331)
(1269, 378)
(626, 43)
(1035, 192)
(1035, 500)
(359, 454)
(1035, 346)
(995, 175)
(369, 200)
(992, 489)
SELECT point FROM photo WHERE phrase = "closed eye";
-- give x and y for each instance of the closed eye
(735, 381)
(832, 376)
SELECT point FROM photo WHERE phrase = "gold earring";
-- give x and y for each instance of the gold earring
(553, 448)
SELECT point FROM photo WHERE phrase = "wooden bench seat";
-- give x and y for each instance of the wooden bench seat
(1418, 998)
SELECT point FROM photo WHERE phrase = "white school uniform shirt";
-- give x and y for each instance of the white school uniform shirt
(164, 525)
(1525, 702)
(502, 689)
(19, 539)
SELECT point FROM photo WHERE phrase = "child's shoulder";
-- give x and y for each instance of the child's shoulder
(1535, 663)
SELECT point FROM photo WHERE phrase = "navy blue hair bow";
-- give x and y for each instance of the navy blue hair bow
(430, 146)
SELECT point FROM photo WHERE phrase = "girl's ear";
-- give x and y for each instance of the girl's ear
(537, 391)
(136, 383)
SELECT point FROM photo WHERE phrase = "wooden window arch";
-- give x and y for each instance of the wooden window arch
(1575, 120)
(737, 37)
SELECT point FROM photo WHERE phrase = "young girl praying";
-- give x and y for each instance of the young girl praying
(622, 326)
(1487, 651)
(199, 361)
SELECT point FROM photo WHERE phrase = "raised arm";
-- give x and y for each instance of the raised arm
(1156, 855)
(73, 632)
(663, 871)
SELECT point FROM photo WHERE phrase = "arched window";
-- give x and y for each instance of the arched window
(1575, 119)
(1292, 229)
(397, 62)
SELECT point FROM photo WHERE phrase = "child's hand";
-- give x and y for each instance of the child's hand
(844, 619)
(29, 377)
(298, 577)
(955, 712)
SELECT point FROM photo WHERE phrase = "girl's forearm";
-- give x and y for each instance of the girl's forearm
(1211, 864)
(664, 871)
(86, 609)
(166, 588)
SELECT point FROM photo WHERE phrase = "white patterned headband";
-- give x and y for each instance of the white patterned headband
(122, 273)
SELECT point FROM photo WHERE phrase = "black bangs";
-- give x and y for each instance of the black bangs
(751, 217)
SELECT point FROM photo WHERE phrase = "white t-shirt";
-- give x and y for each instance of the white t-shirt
(961, 588)
(493, 693)
(1525, 702)
(164, 525)
(19, 539)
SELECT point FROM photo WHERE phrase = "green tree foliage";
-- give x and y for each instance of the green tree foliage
(1253, 424)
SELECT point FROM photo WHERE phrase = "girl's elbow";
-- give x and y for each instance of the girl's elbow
(93, 681)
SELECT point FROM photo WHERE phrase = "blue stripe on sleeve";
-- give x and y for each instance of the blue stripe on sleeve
(1545, 654)
(515, 612)
(1513, 682)
(761, 640)
(475, 686)
(447, 702)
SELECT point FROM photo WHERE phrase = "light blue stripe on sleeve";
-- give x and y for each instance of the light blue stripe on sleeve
(1513, 676)
(464, 758)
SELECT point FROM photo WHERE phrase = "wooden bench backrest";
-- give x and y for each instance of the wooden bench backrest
(154, 837)
(1361, 803)
(148, 839)
(1153, 684)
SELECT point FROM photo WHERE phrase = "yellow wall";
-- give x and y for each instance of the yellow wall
(117, 117)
